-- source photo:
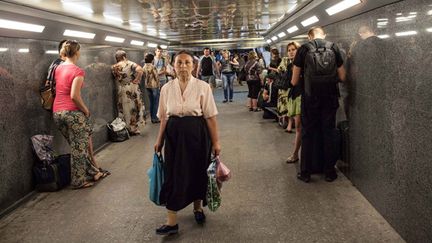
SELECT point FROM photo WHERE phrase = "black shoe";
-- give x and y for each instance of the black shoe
(167, 230)
(304, 177)
(224, 101)
(231, 100)
(331, 176)
(251, 109)
(199, 216)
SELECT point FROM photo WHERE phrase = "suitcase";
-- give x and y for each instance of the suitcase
(54, 176)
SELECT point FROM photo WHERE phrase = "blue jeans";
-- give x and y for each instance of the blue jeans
(154, 102)
(228, 82)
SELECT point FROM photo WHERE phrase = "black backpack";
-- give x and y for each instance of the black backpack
(320, 70)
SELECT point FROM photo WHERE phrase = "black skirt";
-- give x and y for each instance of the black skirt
(187, 157)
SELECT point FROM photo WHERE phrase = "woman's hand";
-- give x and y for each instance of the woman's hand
(86, 113)
(216, 149)
(158, 146)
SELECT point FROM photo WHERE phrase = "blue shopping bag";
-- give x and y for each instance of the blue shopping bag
(156, 178)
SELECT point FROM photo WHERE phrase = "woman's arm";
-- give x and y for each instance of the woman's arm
(160, 138)
(295, 75)
(76, 95)
(139, 73)
(213, 129)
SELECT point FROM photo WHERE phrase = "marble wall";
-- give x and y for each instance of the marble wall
(22, 116)
(390, 112)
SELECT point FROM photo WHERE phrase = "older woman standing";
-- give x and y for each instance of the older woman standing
(253, 70)
(71, 116)
(127, 75)
(188, 128)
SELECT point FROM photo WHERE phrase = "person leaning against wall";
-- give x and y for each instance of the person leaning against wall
(189, 133)
(152, 84)
(127, 75)
(71, 116)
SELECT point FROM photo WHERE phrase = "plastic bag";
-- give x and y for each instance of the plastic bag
(213, 194)
(156, 178)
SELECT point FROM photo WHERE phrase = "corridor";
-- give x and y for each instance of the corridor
(263, 202)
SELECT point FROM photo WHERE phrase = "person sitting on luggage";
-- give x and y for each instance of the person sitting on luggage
(270, 97)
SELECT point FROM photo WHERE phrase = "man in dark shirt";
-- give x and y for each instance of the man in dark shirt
(318, 116)
(206, 68)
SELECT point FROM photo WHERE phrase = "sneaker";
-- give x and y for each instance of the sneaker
(167, 230)
(199, 216)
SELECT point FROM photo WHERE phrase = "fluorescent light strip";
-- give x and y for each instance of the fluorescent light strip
(153, 45)
(164, 46)
(383, 19)
(310, 21)
(15, 25)
(341, 6)
(79, 34)
(383, 36)
(3, 49)
(114, 39)
(268, 41)
(429, 29)
(23, 50)
(274, 38)
(406, 33)
(137, 43)
(52, 52)
(281, 34)
(429, 12)
(293, 29)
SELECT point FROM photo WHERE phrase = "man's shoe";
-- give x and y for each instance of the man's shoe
(199, 216)
(304, 177)
(231, 100)
(331, 176)
(167, 230)
(224, 101)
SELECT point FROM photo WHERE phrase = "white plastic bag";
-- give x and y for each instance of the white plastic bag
(118, 124)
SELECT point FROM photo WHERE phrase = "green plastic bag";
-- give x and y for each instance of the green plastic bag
(213, 194)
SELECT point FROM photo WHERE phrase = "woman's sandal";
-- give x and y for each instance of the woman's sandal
(85, 185)
(291, 160)
(105, 172)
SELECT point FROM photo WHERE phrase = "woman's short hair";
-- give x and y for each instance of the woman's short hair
(295, 44)
(119, 55)
(226, 51)
(184, 52)
(252, 55)
(149, 58)
(70, 48)
(275, 51)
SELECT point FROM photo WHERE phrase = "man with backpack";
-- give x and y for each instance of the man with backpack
(207, 68)
(320, 64)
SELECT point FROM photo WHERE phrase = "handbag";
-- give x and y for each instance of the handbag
(117, 131)
(280, 81)
(222, 172)
(213, 195)
(156, 178)
(47, 97)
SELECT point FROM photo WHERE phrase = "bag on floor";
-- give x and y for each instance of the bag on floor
(156, 178)
(53, 176)
(213, 194)
(117, 131)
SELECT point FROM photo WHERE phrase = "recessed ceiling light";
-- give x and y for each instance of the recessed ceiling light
(114, 39)
(292, 29)
(383, 19)
(15, 25)
(341, 6)
(23, 50)
(310, 21)
(153, 45)
(137, 43)
(3, 49)
(406, 33)
(79, 34)
(274, 38)
(164, 46)
(268, 41)
(281, 34)
(429, 29)
(52, 52)
(383, 36)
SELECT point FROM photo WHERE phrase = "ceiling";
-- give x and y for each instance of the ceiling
(177, 23)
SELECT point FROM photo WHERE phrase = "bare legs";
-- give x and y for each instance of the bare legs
(297, 141)
(172, 215)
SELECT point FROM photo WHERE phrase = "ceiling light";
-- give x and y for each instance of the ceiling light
(281, 34)
(3, 49)
(23, 50)
(52, 52)
(274, 38)
(413, 13)
(137, 43)
(300, 37)
(429, 12)
(341, 6)
(293, 29)
(77, 7)
(268, 41)
(79, 34)
(153, 45)
(164, 46)
(382, 23)
(162, 34)
(383, 36)
(114, 39)
(15, 25)
(383, 19)
(429, 29)
(406, 33)
(310, 21)
(292, 8)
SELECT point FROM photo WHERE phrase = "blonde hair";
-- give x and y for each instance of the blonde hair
(70, 48)
(295, 44)
(252, 55)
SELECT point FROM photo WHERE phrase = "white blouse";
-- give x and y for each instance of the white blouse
(197, 100)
